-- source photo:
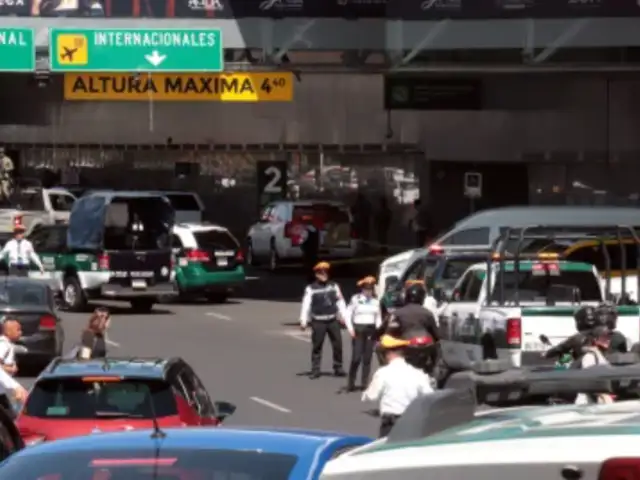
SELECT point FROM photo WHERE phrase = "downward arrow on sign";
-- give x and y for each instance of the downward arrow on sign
(155, 58)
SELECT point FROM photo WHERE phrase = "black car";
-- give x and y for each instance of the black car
(32, 303)
(439, 269)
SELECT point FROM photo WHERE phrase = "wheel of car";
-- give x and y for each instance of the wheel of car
(273, 257)
(72, 294)
(142, 305)
(251, 259)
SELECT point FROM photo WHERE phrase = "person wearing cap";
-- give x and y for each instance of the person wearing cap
(363, 320)
(396, 385)
(323, 307)
(19, 253)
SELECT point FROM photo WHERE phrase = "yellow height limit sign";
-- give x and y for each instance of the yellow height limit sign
(232, 87)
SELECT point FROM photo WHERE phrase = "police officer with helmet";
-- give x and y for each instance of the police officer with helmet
(586, 320)
(608, 316)
(323, 307)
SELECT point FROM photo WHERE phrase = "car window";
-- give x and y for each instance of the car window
(204, 463)
(183, 201)
(23, 294)
(100, 397)
(216, 240)
(61, 202)
(30, 200)
(471, 236)
(593, 254)
(415, 272)
(473, 288)
(200, 393)
(188, 388)
(462, 287)
(56, 239)
(430, 270)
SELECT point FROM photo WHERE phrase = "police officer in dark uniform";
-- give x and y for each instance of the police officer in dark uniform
(323, 307)
(608, 314)
(586, 319)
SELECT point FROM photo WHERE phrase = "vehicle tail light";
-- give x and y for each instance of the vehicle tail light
(294, 232)
(47, 322)
(620, 469)
(421, 341)
(195, 255)
(103, 262)
(239, 256)
(436, 249)
(514, 332)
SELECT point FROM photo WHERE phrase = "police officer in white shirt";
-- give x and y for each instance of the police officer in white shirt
(323, 307)
(363, 320)
(20, 253)
(396, 385)
(11, 332)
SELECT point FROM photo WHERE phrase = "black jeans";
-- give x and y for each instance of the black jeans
(361, 352)
(320, 329)
(5, 404)
(387, 422)
(18, 270)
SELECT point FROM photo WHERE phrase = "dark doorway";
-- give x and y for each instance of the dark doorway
(503, 184)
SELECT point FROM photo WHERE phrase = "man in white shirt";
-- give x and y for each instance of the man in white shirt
(11, 332)
(396, 385)
(19, 253)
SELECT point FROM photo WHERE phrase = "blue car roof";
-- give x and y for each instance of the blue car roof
(294, 442)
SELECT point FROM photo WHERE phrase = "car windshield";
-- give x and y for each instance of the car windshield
(145, 464)
(100, 397)
(216, 240)
(138, 223)
(23, 294)
(532, 286)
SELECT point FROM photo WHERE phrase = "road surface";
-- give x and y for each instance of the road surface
(248, 351)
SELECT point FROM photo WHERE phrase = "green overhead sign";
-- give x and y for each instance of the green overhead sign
(17, 50)
(136, 50)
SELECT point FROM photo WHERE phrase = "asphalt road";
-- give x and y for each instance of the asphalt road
(248, 351)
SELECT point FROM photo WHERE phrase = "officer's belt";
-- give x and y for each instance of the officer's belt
(323, 317)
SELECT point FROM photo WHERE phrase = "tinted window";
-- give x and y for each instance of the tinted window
(183, 201)
(142, 223)
(593, 254)
(216, 240)
(23, 294)
(472, 292)
(75, 398)
(61, 202)
(471, 236)
(415, 272)
(535, 288)
(454, 269)
(30, 200)
(200, 464)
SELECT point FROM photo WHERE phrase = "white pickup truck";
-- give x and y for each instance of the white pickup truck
(538, 300)
(37, 206)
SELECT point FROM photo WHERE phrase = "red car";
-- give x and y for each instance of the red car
(78, 397)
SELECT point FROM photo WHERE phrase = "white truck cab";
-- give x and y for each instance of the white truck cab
(504, 314)
(37, 206)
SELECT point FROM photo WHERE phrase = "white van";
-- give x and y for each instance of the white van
(483, 228)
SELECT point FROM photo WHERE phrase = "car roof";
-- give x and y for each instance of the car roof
(284, 441)
(121, 193)
(517, 217)
(152, 368)
(309, 202)
(199, 227)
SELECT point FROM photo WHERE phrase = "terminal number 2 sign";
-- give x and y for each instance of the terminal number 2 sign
(271, 181)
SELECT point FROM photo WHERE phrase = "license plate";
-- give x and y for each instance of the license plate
(534, 347)
(222, 262)
(139, 284)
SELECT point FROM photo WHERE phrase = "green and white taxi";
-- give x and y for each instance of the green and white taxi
(554, 442)
(209, 262)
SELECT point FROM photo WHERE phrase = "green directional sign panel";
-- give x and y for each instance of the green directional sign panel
(130, 50)
(17, 50)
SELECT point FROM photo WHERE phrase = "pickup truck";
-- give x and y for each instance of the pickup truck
(540, 299)
(37, 206)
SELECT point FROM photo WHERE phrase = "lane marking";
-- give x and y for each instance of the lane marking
(271, 405)
(219, 316)
(297, 336)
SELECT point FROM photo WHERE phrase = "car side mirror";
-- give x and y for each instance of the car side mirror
(224, 410)
(391, 283)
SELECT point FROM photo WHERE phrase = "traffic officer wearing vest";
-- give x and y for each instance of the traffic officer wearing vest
(323, 307)
(19, 253)
(363, 321)
(396, 385)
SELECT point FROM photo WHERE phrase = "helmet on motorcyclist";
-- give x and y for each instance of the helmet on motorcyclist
(585, 318)
(607, 315)
(415, 293)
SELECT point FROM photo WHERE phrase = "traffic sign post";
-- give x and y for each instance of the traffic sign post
(136, 50)
(17, 50)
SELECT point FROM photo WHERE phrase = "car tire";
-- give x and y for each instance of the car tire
(251, 258)
(273, 257)
(217, 297)
(142, 305)
(73, 296)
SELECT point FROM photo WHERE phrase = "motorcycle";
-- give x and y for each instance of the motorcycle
(562, 362)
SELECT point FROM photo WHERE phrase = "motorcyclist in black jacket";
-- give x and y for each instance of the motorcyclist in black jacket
(608, 315)
(586, 319)
(413, 321)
